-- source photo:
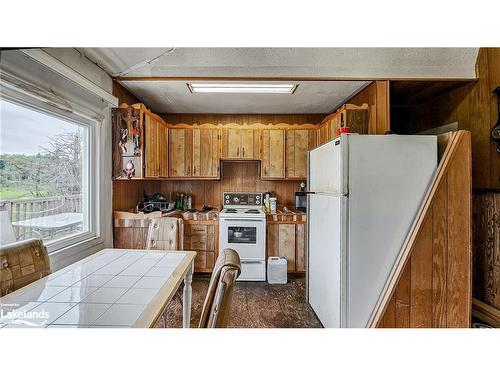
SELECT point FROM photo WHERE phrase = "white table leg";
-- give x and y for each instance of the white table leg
(186, 298)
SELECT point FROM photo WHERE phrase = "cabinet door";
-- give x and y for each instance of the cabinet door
(298, 142)
(280, 241)
(247, 144)
(233, 145)
(300, 247)
(162, 150)
(273, 154)
(323, 134)
(180, 152)
(205, 153)
(151, 146)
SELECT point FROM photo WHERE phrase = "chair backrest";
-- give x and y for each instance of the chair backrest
(165, 233)
(22, 263)
(7, 234)
(217, 306)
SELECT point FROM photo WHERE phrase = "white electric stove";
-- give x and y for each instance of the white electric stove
(242, 227)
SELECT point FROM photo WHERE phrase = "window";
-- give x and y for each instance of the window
(44, 175)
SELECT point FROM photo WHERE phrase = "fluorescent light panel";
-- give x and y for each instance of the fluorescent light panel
(242, 88)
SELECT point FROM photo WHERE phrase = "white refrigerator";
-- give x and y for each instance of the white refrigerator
(365, 191)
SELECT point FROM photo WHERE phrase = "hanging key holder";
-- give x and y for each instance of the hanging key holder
(495, 132)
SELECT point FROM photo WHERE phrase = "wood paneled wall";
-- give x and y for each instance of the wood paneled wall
(123, 95)
(376, 95)
(242, 119)
(487, 248)
(236, 176)
(474, 106)
(432, 285)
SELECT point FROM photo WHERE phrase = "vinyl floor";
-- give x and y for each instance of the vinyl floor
(255, 305)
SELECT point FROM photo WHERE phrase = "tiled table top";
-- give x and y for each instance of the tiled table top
(112, 288)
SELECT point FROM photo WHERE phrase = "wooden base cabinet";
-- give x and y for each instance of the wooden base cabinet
(202, 237)
(288, 240)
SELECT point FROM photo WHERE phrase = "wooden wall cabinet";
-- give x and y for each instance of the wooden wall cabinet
(356, 118)
(151, 164)
(298, 143)
(206, 153)
(194, 153)
(180, 152)
(288, 239)
(272, 156)
(128, 139)
(155, 147)
(162, 150)
(202, 237)
(240, 143)
(140, 137)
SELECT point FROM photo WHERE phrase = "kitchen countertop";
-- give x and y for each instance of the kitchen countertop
(290, 215)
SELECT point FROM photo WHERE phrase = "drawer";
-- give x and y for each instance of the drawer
(198, 242)
(252, 270)
(198, 229)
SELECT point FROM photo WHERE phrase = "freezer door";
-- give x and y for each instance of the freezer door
(326, 217)
(328, 167)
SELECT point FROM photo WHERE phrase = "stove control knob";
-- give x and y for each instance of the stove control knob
(227, 196)
(236, 200)
(227, 201)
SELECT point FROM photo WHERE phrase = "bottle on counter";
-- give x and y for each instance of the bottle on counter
(190, 202)
(267, 203)
(177, 201)
(181, 201)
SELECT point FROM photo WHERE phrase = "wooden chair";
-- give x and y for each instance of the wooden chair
(165, 233)
(217, 306)
(22, 263)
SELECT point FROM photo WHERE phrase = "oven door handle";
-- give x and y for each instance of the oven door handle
(257, 220)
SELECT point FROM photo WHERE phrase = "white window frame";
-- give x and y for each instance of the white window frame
(91, 169)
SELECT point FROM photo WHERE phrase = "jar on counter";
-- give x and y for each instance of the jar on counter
(273, 203)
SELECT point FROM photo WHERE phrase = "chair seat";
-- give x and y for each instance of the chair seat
(22, 263)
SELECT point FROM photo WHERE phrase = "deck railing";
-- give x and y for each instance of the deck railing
(23, 209)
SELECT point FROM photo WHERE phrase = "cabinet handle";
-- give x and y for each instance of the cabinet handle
(188, 170)
(265, 171)
(194, 170)
(243, 151)
(238, 151)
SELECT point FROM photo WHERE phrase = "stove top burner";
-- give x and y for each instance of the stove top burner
(252, 211)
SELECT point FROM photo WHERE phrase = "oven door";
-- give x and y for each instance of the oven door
(246, 236)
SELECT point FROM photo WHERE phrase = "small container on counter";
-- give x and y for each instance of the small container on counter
(273, 203)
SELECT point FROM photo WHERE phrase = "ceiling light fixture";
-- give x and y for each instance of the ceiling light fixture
(242, 88)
